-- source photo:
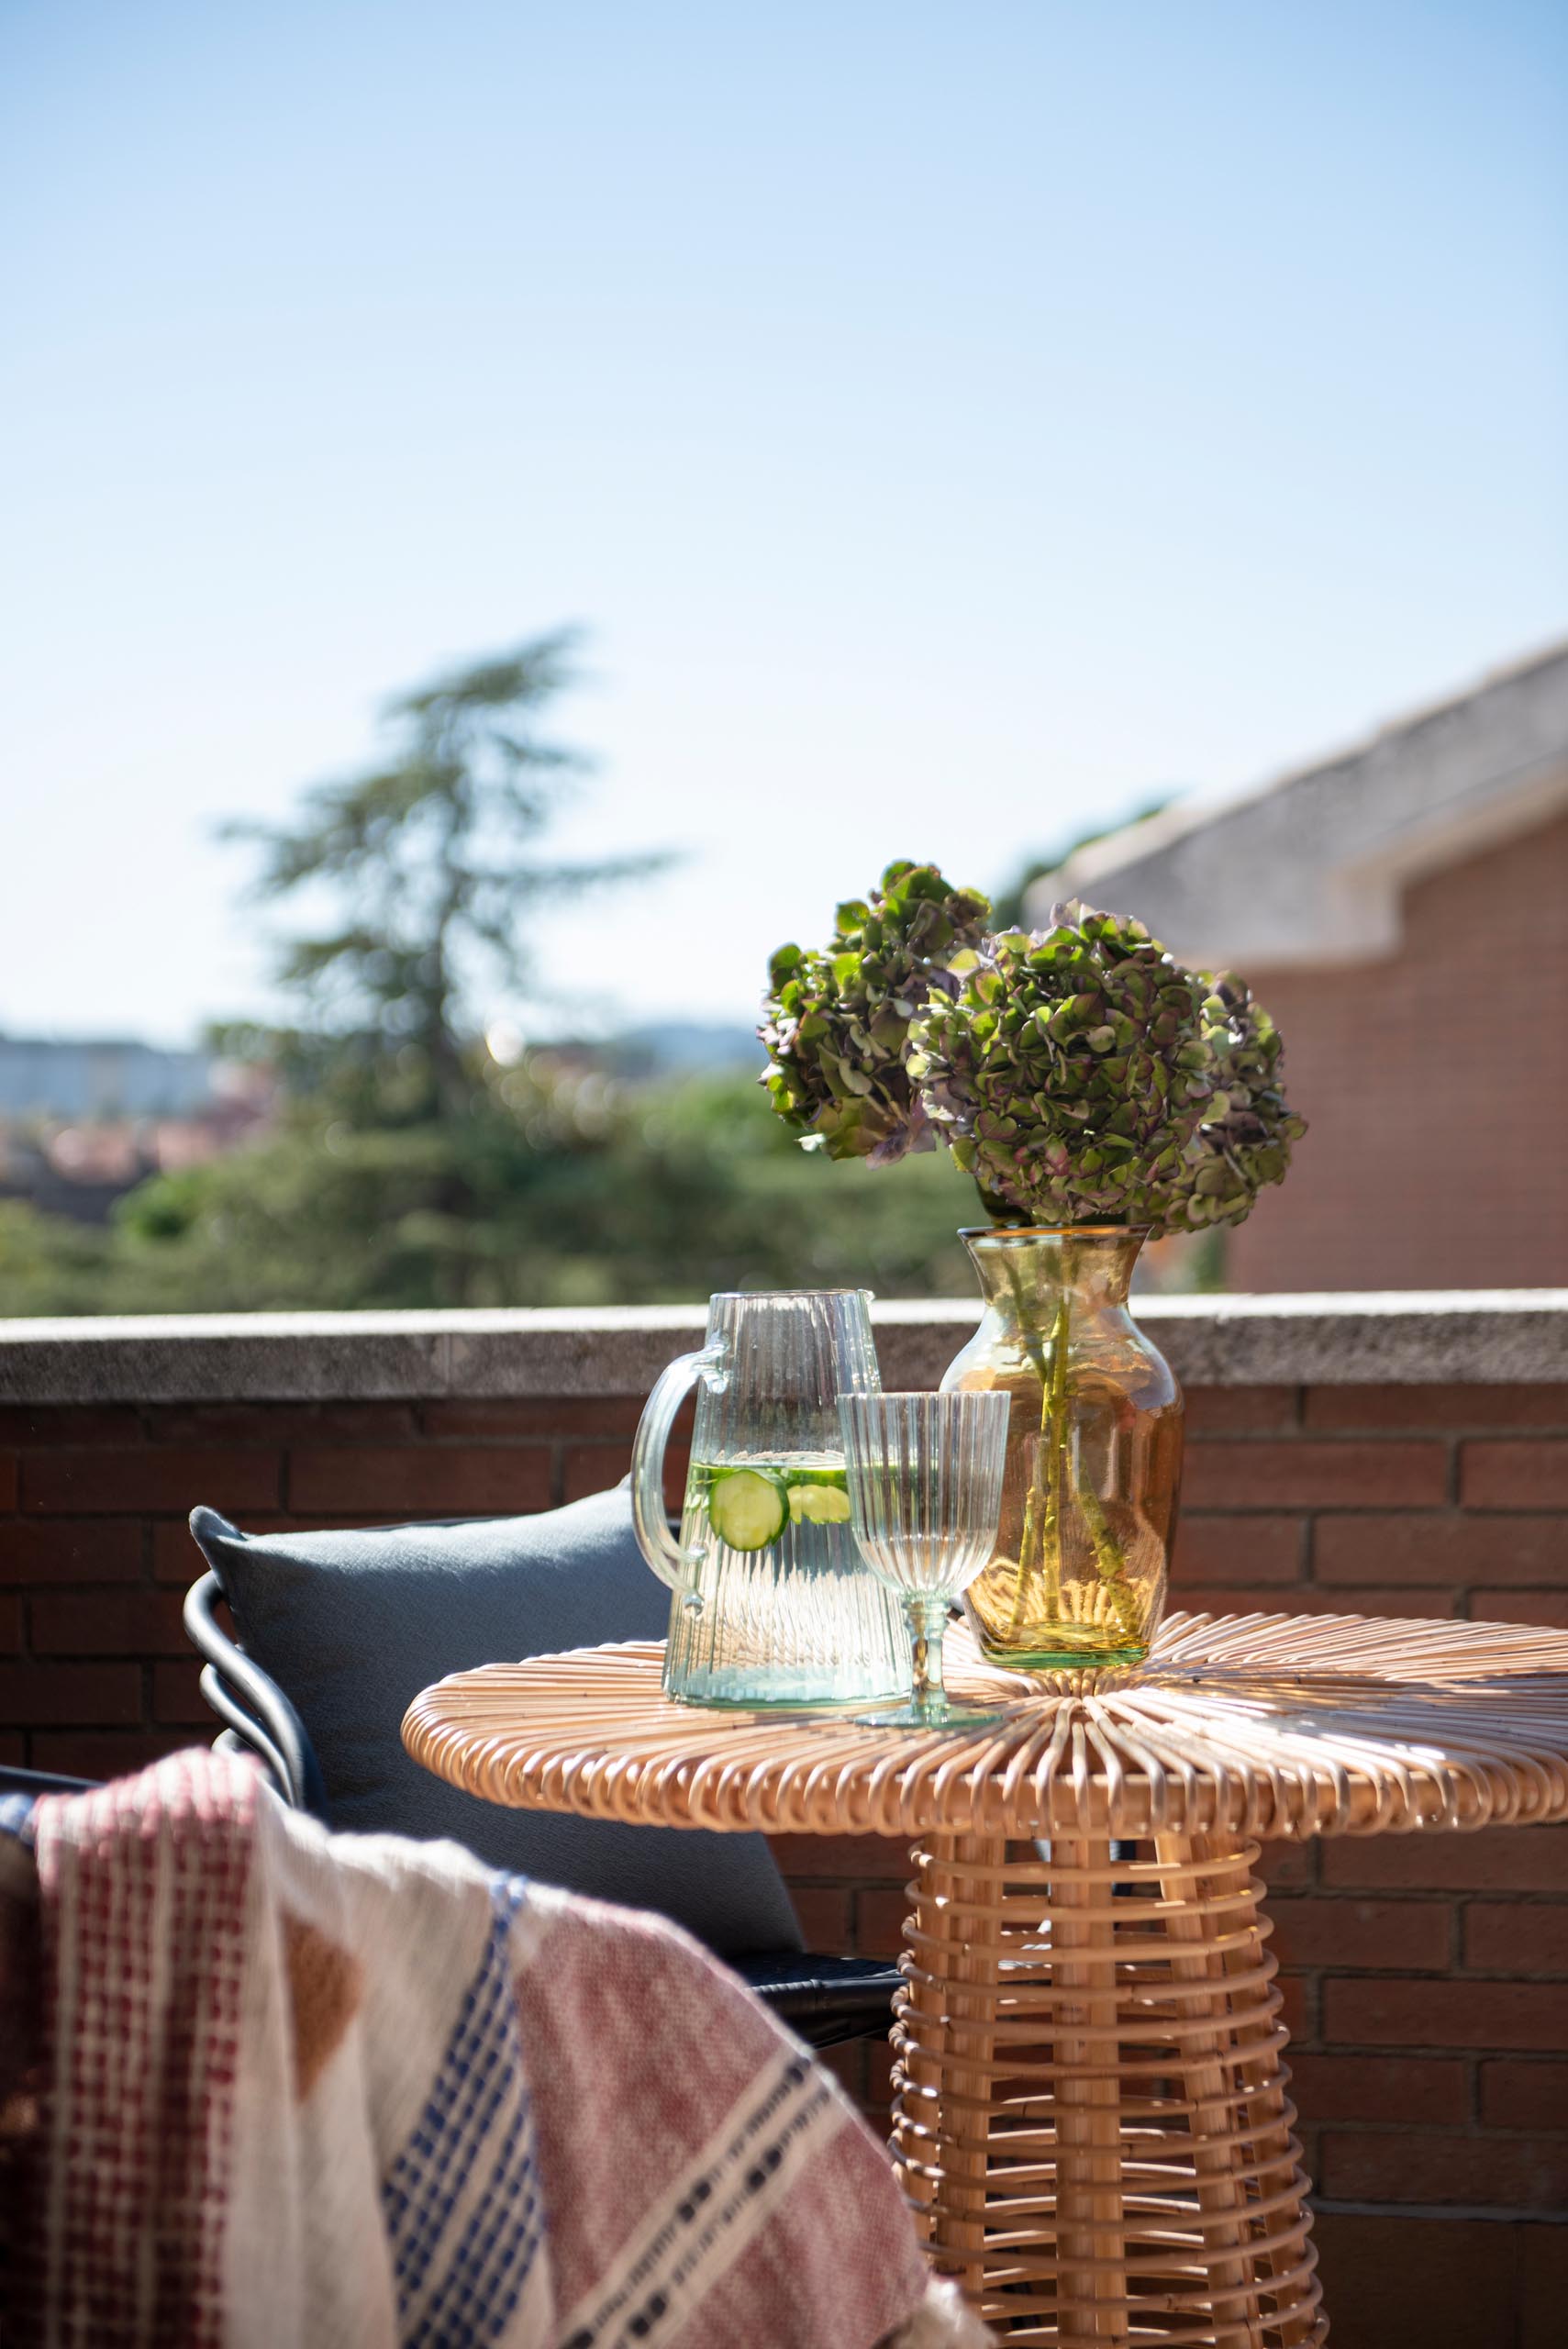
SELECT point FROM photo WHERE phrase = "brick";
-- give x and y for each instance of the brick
(1345, 1932)
(281, 1423)
(10, 1625)
(847, 2066)
(1412, 1602)
(879, 1923)
(106, 1622)
(1414, 2089)
(823, 1911)
(1399, 2165)
(1240, 1410)
(595, 1467)
(1303, 1599)
(105, 1754)
(1389, 2011)
(544, 1417)
(70, 1549)
(30, 1426)
(1450, 1548)
(1499, 1859)
(1543, 2285)
(1445, 1407)
(430, 1480)
(1514, 1475)
(859, 1859)
(1517, 1937)
(177, 1697)
(177, 1558)
(86, 1694)
(1394, 2280)
(1548, 1607)
(1299, 2007)
(156, 1480)
(879, 2076)
(1250, 1550)
(1289, 1867)
(1311, 1474)
(1519, 2093)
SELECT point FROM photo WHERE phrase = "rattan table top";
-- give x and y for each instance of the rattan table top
(1270, 1725)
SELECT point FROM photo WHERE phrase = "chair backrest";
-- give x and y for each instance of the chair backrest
(341, 1630)
(259, 1716)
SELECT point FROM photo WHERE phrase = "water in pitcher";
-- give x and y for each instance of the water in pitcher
(771, 1601)
(785, 1610)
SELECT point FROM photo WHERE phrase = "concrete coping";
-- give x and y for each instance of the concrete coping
(1490, 1337)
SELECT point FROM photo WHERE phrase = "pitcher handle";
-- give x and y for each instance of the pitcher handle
(671, 1561)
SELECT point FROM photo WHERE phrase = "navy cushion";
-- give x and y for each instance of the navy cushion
(352, 1625)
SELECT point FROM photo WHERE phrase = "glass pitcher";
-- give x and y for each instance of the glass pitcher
(771, 1604)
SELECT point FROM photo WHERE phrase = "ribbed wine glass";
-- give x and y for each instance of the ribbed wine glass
(924, 1475)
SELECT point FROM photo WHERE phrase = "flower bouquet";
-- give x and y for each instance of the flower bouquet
(1101, 1094)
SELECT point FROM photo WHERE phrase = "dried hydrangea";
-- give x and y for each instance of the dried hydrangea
(1080, 1073)
(1070, 1073)
(1247, 1129)
(836, 1023)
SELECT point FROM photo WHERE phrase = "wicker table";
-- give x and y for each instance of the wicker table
(1090, 2107)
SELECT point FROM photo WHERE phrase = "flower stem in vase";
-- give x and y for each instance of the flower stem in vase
(1109, 1559)
(1040, 1548)
(1056, 1457)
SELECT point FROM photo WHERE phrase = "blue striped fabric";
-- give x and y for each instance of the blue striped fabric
(461, 2199)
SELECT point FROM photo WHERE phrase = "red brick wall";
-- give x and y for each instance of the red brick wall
(1437, 1087)
(1426, 1981)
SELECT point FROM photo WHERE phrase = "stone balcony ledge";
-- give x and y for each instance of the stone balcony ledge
(1491, 1337)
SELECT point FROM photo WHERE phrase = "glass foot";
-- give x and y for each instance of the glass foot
(949, 1717)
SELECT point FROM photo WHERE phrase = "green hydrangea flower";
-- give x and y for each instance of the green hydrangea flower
(1248, 1127)
(1070, 1074)
(836, 1023)
(1081, 1075)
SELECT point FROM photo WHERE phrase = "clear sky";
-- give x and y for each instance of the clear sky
(954, 424)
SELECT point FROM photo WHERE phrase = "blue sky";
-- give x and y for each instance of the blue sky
(952, 424)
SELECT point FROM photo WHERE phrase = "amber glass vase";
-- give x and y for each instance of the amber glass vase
(1094, 1450)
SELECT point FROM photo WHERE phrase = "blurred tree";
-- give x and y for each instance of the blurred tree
(51, 1266)
(402, 1164)
(1007, 905)
(409, 1166)
(433, 861)
(577, 1190)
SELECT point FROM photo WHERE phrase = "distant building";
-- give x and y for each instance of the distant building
(100, 1078)
(1402, 909)
(83, 1122)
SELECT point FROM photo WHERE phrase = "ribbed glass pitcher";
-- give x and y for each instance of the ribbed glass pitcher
(772, 1603)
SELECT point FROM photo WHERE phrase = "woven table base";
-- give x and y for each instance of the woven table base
(1090, 2115)
(1092, 2120)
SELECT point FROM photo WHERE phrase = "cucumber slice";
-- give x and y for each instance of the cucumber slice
(818, 1505)
(747, 1512)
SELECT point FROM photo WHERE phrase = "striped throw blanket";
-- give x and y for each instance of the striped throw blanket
(314, 2092)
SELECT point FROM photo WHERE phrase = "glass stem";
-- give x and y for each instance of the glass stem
(927, 1620)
